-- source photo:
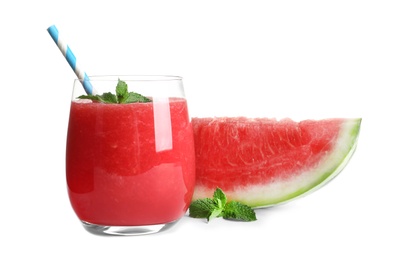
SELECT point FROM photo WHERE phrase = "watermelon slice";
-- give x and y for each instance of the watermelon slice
(264, 161)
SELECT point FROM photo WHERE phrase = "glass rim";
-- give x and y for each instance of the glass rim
(132, 77)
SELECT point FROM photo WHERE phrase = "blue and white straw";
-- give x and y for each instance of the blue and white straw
(69, 56)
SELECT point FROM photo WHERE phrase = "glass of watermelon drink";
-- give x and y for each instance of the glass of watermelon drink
(130, 167)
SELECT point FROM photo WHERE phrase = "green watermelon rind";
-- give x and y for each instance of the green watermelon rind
(279, 191)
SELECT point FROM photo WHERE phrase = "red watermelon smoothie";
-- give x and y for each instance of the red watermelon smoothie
(130, 167)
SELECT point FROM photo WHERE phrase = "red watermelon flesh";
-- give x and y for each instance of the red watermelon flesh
(264, 161)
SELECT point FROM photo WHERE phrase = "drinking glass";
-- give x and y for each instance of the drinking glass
(130, 167)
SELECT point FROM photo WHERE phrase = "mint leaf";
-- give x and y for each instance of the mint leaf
(133, 97)
(122, 96)
(121, 91)
(238, 211)
(217, 212)
(218, 206)
(105, 98)
(202, 208)
(91, 97)
(108, 98)
(220, 198)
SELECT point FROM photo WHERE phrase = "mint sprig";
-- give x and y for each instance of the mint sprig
(122, 96)
(218, 206)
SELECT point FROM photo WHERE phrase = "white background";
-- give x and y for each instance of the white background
(299, 59)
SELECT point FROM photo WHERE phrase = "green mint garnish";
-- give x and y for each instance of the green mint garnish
(123, 96)
(218, 206)
(238, 211)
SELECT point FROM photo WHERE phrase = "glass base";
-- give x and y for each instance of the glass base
(126, 230)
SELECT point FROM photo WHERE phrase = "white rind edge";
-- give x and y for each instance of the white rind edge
(279, 191)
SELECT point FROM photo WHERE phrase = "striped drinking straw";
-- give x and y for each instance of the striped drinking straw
(69, 56)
